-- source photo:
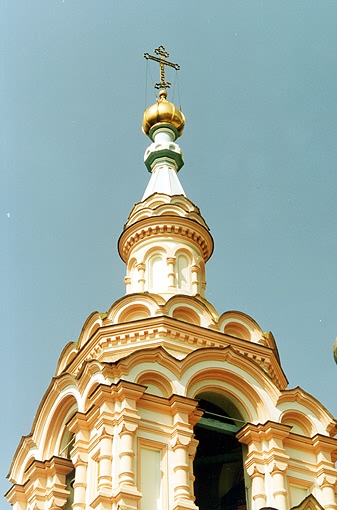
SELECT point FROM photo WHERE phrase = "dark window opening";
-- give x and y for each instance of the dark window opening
(218, 465)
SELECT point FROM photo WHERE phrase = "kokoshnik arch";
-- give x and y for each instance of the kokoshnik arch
(163, 403)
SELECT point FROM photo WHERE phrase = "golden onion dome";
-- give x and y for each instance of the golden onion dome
(163, 113)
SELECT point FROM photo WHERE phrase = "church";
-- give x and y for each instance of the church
(165, 403)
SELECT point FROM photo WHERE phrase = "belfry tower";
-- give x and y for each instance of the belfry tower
(163, 403)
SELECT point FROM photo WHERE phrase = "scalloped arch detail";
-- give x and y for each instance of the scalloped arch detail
(156, 382)
(186, 314)
(66, 357)
(134, 312)
(60, 414)
(299, 400)
(91, 325)
(151, 302)
(233, 389)
(240, 325)
(200, 311)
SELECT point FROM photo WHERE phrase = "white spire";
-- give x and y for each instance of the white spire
(164, 180)
(163, 159)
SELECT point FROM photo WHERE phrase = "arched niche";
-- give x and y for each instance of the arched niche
(237, 330)
(183, 271)
(186, 314)
(298, 421)
(241, 325)
(156, 271)
(134, 312)
(220, 477)
(156, 384)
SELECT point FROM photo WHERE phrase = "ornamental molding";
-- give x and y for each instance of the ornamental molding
(113, 342)
(166, 226)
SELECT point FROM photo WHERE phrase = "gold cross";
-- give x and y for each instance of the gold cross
(163, 54)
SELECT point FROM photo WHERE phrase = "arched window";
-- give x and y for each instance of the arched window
(218, 464)
(183, 272)
(156, 273)
(134, 276)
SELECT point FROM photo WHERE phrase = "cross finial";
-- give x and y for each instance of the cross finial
(162, 55)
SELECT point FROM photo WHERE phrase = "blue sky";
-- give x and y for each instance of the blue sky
(257, 86)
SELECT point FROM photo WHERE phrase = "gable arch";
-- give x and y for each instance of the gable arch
(134, 312)
(238, 330)
(186, 314)
(244, 383)
(226, 386)
(240, 325)
(152, 302)
(180, 307)
(55, 429)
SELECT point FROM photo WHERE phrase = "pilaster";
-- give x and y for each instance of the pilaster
(79, 455)
(183, 445)
(325, 449)
(126, 396)
(195, 279)
(254, 463)
(171, 272)
(266, 457)
(141, 276)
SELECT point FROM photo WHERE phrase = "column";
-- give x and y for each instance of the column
(80, 483)
(258, 489)
(102, 416)
(141, 276)
(278, 474)
(327, 487)
(195, 279)
(105, 462)
(79, 456)
(171, 272)
(126, 433)
(191, 454)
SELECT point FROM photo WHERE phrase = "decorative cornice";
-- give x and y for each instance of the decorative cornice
(114, 341)
(180, 228)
